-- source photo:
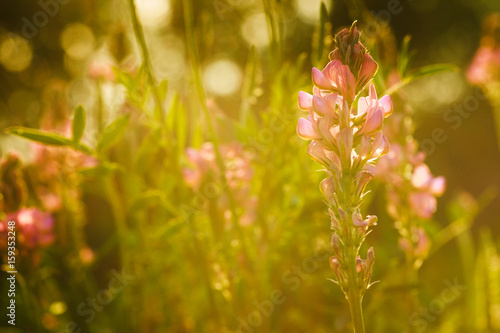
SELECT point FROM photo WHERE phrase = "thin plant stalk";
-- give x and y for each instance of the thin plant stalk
(201, 94)
(139, 34)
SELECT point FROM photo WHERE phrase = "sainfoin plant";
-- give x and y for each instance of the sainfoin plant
(345, 139)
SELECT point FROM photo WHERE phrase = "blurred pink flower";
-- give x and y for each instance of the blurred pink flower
(101, 70)
(34, 228)
(203, 170)
(423, 204)
(485, 66)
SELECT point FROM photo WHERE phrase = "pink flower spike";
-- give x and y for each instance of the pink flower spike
(386, 104)
(320, 81)
(305, 100)
(438, 185)
(306, 131)
(320, 106)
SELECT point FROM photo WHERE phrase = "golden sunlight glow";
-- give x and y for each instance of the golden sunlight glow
(15, 53)
(222, 77)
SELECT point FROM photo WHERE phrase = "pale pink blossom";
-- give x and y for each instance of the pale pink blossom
(423, 204)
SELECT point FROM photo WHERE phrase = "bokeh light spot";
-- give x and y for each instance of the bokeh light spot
(15, 53)
(308, 10)
(254, 30)
(153, 13)
(77, 40)
(222, 77)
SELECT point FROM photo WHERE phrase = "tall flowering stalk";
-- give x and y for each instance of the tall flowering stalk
(346, 138)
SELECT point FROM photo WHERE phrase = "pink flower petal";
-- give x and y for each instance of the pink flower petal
(373, 92)
(306, 131)
(386, 104)
(367, 71)
(438, 185)
(320, 106)
(421, 177)
(320, 81)
(373, 123)
(305, 100)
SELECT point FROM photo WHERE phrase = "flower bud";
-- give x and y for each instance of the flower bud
(359, 264)
(357, 220)
(336, 245)
(362, 178)
(317, 153)
(335, 223)
(370, 260)
(335, 265)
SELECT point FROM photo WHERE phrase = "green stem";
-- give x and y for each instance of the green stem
(354, 296)
(139, 34)
(201, 94)
(495, 103)
(412, 278)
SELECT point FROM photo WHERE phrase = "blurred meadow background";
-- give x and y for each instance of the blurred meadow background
(150, 159)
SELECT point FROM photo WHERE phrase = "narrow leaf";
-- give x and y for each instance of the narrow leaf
(113, 133)
(78, 123)
(422, 72)
(39, 136)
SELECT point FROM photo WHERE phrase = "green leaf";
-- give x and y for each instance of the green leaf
(78, 123)
(102, 169)
(113, 133)
(39, 136)
(404, 56)
(423, 72)
(433, 70)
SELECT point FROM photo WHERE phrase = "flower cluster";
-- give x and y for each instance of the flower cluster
(412, 193)
(346, 138)
(204, 175)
